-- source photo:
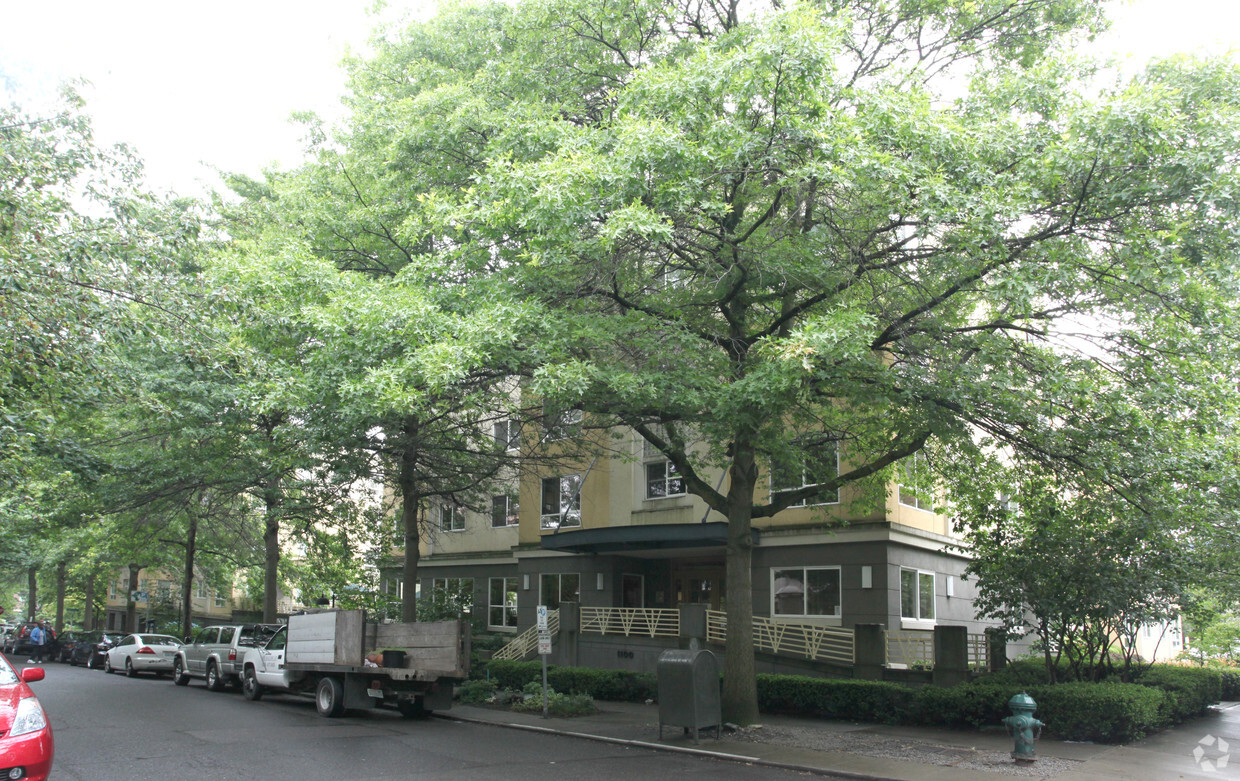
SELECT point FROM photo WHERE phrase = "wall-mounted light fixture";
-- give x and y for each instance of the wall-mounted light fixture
(867, 576)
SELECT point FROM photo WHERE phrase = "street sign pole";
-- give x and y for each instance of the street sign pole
(544, 648)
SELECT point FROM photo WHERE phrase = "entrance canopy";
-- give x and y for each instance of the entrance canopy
(636, 539)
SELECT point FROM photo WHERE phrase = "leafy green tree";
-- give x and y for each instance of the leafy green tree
(760, 235)
(1079, 566)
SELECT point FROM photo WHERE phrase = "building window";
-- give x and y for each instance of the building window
(561, 502)
(451, 518)
(507, 434)
(809, 470)
(916, 595)
(504, 511)
(662, 476)
(502, 603)
(455, 592)
(219, 599)
(200, 589)
(809, 592)
(915, 483)
(562, 425)
(559, 587)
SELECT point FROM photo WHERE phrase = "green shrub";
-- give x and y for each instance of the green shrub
(510, 674)
(473, 692)
(1188, 691)
(612, 685)
(1230, 683)
(1099, 712)
(559, 705)
(834, 698)
(969, 705)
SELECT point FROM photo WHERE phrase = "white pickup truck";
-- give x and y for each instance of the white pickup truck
(324, 654)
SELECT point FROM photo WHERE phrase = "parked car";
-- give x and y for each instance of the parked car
(19, 642)
(93, 653)
(215, 653)
(67, 641)
(26, 743)
(142, 654)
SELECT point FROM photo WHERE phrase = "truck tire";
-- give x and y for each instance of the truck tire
(413, 709)
(250, 686)
(178, 673)
(215, 681)
(329, 697)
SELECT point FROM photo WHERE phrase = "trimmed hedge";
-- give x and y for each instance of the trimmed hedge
(1099, 712)
(834, 698)
(1107, 712)
(1231, 684)
(613, 685)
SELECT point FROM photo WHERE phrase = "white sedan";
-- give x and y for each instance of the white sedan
(142, 654)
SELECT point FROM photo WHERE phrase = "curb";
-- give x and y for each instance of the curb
(699, 752)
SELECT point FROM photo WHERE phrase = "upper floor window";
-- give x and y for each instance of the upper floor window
(808, 470)
(916, 489)
(451, 518)
(200, 589)
(219, 599)
(563, 425)
(504, 511)
(507, 434)
(662, 476)
(561, 502)
(806, 591)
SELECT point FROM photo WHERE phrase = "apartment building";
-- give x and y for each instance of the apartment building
(619, 530)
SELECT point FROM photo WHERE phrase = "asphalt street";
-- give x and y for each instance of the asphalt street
(111, 727)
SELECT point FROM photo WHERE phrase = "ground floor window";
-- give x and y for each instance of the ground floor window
(810, 592)
(455, 593)
(555, 588)
(916, 595)
(502, 603)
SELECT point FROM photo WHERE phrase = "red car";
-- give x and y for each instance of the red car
(26, 745)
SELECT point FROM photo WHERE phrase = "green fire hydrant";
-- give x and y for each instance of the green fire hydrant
(1022, 725)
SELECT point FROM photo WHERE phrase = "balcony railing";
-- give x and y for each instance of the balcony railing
(631, 622)
(810, 641)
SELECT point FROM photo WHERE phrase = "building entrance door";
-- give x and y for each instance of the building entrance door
(699, 583)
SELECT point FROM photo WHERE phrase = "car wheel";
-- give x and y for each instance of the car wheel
(129, 670)
(250, 686)
(329, 698)
(178, 673)
(215, 682)
(107, 665)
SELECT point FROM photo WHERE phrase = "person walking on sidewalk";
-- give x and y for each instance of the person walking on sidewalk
(38, 637)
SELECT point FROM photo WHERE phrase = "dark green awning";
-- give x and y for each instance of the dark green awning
(613, 539)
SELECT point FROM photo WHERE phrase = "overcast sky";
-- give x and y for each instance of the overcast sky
(214, 83)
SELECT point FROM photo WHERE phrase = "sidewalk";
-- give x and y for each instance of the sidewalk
(868, 752)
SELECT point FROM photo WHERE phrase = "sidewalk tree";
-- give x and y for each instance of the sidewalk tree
(764, 234)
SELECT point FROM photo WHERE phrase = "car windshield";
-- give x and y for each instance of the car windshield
(160, 640)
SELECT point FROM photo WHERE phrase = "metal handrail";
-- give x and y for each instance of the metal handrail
(631, 621)
(526, 643)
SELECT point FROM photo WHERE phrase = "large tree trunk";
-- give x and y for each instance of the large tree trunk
(32, 592)
(273, 500)
(740, 688)
(131, 607)
(187, 580)
(88, 598)
(60, 598)
(407, 484)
